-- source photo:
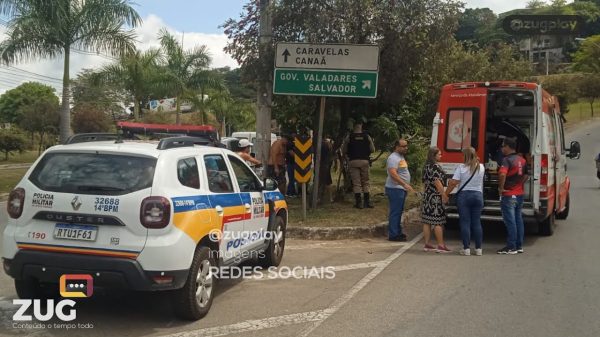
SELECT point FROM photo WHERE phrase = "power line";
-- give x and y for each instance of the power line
(31, 73)
(24, 76)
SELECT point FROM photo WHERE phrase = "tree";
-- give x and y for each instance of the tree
(587, 58)
(135, 73)
(220, 103)
(473, 21)
(186, 72)
(25, 94)
(50, 28)
(89, 92)
(11, 142)
(536, 4)
(42, 117)
(589, 88)
(405, 31)
(88, 118)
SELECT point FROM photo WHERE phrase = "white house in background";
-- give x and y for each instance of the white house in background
(542, 48)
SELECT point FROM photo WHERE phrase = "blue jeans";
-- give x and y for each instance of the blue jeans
(513, 219)
(470, 204)
(396, 197)
(291, 187)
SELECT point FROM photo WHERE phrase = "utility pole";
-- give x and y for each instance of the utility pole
(265, 87)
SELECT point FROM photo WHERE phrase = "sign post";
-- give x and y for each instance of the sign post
(334, 70)
(303, 153)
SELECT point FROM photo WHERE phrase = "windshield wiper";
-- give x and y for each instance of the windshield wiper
(99, 188)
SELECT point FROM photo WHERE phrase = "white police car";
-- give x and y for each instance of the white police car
(139, 216)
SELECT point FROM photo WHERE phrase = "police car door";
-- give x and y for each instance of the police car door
(227, 204)
(255, 224)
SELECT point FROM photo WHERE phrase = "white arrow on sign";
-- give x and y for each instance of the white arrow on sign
(366, 84)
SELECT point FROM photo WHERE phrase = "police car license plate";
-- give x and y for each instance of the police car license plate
(75, 232)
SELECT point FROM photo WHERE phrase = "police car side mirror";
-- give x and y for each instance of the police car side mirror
(574, 150)
(270, 184)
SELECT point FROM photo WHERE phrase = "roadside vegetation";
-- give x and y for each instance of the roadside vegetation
(423, 46)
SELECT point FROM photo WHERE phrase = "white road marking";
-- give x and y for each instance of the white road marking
(358, 286)
(254, 324)
(341, 245)
(317, 317)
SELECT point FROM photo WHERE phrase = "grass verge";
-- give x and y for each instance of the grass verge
(342, 213)
(10, 178)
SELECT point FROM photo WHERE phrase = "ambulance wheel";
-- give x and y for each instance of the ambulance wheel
(565, 213)
(272, 256)
(547, 226)
(193, 301)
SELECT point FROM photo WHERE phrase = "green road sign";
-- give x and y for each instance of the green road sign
(336, 83)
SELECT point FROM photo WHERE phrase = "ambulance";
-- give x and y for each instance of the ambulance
(481, 115)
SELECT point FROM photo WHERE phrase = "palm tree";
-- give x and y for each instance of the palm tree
(220, 103)
(135, 72)
(186, 72)
(48, 28)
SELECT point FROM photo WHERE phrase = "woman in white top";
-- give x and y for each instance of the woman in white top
(469, 177)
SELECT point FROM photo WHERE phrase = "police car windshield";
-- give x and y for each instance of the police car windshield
(92, 173)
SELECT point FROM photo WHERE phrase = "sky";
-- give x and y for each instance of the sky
(196, 21)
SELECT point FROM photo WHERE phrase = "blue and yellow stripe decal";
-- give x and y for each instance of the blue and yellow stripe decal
(195, 215)
(279, 200)
(78, 250)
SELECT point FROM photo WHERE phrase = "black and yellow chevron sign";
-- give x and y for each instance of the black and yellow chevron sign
(303, 153)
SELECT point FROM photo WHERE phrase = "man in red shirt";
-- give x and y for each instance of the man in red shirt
(511, 181)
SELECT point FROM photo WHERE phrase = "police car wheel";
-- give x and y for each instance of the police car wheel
(274, 253)
(193, 301)
(28, 288)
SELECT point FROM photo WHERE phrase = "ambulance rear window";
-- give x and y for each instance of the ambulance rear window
(462, 128)
(93, 173)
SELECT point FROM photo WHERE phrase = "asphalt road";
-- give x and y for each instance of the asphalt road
(389, 289)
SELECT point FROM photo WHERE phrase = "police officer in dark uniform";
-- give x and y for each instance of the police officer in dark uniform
(357, 148)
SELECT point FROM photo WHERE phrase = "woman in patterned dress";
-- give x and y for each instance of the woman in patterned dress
(432, 211)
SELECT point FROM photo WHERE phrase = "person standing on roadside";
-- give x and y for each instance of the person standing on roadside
(276, 164)
(290, 162)
(433, 212)
(469, 201)
(511, 186)
(357, 148)
(397, 185)
(244, 152)
(597, 159)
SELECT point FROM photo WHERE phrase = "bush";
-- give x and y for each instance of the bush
(11, 141)
(88, 118)
(157, 118)
(416, 157)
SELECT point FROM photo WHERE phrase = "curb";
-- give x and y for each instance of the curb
(411, 225)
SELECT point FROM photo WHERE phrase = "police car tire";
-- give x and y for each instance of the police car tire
(565, 213)
(274, 253)
(31, 288)
(546, 227)
(186, 303)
